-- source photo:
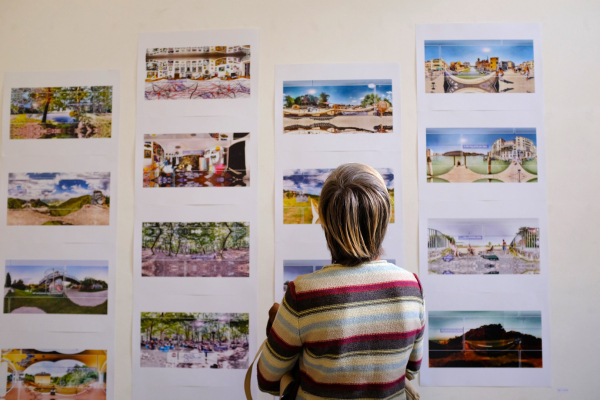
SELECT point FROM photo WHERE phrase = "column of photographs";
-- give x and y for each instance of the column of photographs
(483, 233)
(59, 234)
(327, 115)
(195, 239)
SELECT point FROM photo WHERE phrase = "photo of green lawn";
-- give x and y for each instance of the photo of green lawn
(56, 287)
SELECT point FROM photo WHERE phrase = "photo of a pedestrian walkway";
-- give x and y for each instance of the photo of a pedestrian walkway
(194, 340)
(195, 73)
(55, 374)
(338, 106)
(485, 339)
(196, 160)
(481, 155)
(195, 249)
(59, 198)
(479, 66)
(483, 246)
(302, 190)
(56, 287)
(77, 112)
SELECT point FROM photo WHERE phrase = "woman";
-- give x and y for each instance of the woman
(356, 326)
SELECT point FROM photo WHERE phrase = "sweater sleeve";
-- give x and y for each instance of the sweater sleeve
(416, 355)
(283, 345)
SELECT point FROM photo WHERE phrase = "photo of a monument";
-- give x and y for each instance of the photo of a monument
(479, 66)
(485, 339)
(59, 198)
(198, 73)
(337, 106)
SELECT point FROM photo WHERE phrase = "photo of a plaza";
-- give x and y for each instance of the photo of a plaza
(195, 249)
(196, 160)
(481, 155)
(55, 374)
(302, 190)
(59, 198)
(485, 339)
(479, 66)
(193, 73)
(194, 340)
(338, 106)
(56, 287)
(78, 112)
(483, 246)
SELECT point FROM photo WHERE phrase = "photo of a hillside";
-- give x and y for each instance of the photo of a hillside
(57, 198)
(485, 339)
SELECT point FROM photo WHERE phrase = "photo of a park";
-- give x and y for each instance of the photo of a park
(485, 339)
(55, 374)
(77, 112)
(479, 66)
(196, 73)
(195, 249)
(194, 340)
(337, 106)
(56, 287)
(59, 198)
(483, 246)
(196, 160)
(481, 155)
(302, 190)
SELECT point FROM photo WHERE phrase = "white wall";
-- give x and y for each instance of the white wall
(57, 35)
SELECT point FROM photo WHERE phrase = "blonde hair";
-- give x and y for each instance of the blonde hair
(354, 211)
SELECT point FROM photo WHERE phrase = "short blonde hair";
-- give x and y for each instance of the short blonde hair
(354, 211)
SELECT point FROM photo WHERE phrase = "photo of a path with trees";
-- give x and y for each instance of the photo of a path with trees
(77, 112)
(194, 340)
(195, 249)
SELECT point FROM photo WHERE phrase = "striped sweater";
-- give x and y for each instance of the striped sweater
(357, 331)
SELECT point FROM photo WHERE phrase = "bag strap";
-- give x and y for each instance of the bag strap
(248, 380)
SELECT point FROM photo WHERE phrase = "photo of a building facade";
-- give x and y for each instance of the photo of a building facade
(338, 106)
(485, 339)
(55, 374)
(481, 155)
(196, 160)
(192, 73)
(479, 66)
(194, 340)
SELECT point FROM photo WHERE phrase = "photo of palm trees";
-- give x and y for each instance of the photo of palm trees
(74, 112)
(338, 106)
(194, 340)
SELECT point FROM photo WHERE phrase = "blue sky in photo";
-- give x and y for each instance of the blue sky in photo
(349, 93)
(57, 186)
(54, 368)
(471, 50)
(444, 140)
(311, 180)
(33, 271)
(489, 230)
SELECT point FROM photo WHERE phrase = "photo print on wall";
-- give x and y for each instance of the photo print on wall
(194, 340)
(59, 198)
(479, 66)
(192, 73)
(79, 112)
(338, 106)
(195, 249)
(196, 160)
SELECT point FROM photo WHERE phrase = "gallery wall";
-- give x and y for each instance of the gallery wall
(72, 35)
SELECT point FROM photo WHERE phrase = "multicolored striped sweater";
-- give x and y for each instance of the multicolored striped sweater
(357, 331)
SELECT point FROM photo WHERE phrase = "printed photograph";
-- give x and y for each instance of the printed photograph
(56, 287)
(481, 155)
(485, 339)
(196, 160)
(302, 190)
(479, 66)
(483, 246)
(59, 198)
(194, 340)
(192, 73)
(55, 374)
(195, 249)
(338, 106)
(77, 112)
